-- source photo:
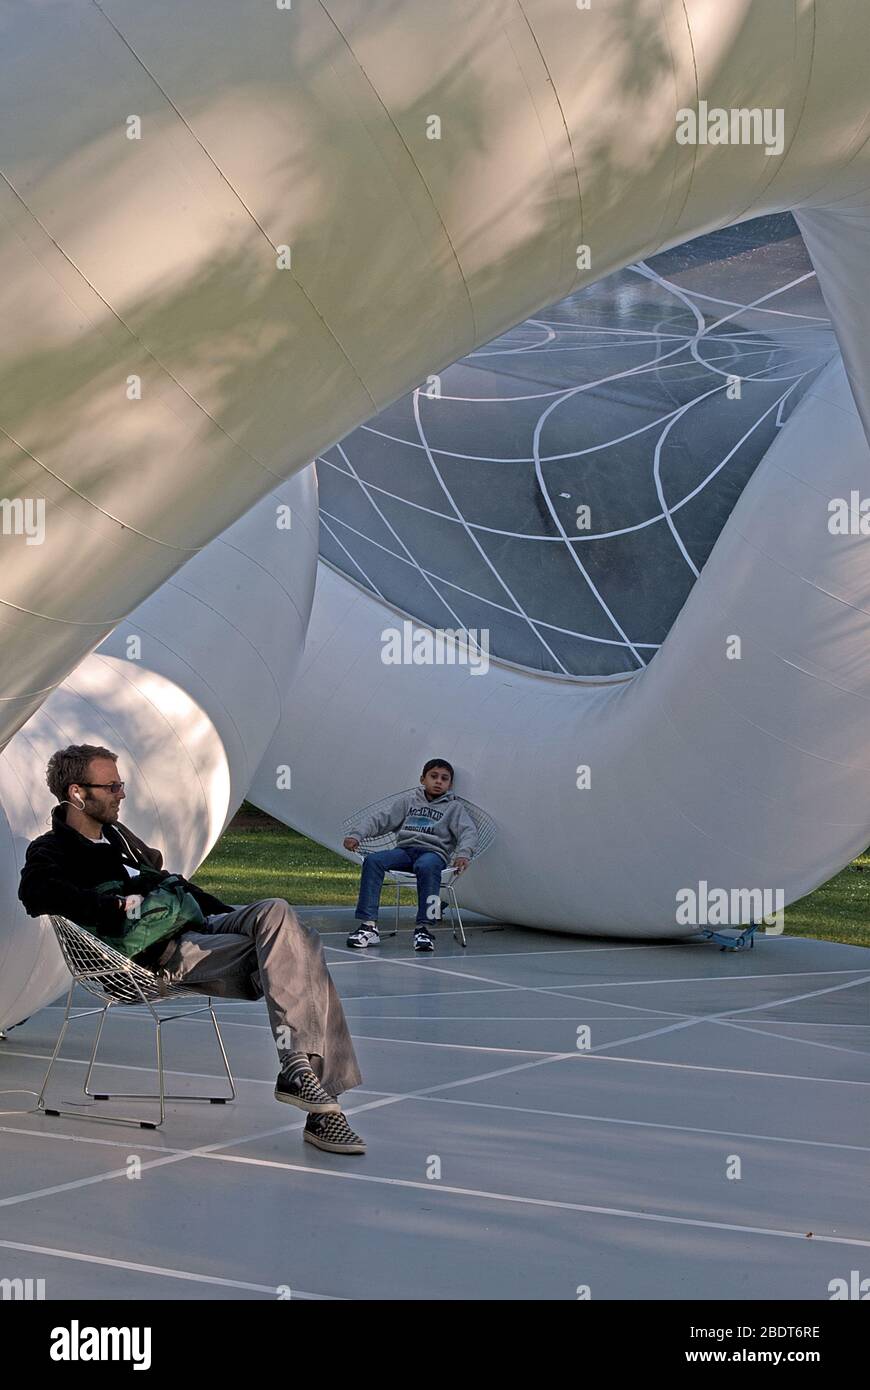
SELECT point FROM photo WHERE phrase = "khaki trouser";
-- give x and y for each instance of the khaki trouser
(263, 950)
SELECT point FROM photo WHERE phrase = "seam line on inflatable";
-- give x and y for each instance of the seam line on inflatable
(411, 557)
(520, 610)
(509, 667)
(155, 540)
(675, 168)
(351, 558)
(258, 463)
(43, 690)
(237, 196)
(67, 622)
(210, 608)
(759, 192)
(273, 579)
(691, 179)
(564, 123)
(470, 593)
(819, 589)
(415, 165)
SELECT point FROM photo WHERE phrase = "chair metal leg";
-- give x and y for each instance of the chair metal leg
(223, 1052)
(161, 1095)
(160, 1078)
(456, 915)
(139, 1095)
(103, 1012)
(40, 1098)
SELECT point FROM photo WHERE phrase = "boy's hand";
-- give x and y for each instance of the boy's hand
(461, 864)
(351, 842)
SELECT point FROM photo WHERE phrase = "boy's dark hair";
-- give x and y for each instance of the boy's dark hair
(69, 765)
(433, 762)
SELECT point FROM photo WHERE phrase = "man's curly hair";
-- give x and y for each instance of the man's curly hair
(70, 765)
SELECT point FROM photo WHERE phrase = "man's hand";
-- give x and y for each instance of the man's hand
(351, 842)
(461, 864)
(132, 904)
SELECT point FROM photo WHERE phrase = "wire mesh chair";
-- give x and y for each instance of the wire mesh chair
(119, 982)
(486, 832)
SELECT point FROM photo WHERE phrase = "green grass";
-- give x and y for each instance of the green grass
(268, 860)
(837, 911)
(272, 861)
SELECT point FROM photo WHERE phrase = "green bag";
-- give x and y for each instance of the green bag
(167, 907)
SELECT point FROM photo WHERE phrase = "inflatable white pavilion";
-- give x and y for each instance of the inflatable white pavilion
(229, 235)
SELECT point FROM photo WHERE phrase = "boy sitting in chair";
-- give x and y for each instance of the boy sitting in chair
(433, 827)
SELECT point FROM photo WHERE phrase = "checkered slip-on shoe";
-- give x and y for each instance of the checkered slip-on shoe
(332, 1133)
(302, 1088)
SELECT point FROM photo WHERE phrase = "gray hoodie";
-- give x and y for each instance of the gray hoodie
(440, 824)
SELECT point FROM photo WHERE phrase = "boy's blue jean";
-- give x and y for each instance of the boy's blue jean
(425, 863)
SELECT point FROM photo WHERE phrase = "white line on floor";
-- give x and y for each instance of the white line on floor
(551, 991)
(561, 991)
(552, 1203)
(552, 951)
(595, 1056)
(567, 1018)
(160, 1270)
(500, 1018)
(644, 1124)
(573, 1019)
(413, 1095)
(711, 979)
(593, 1118)
(590, 1053)
(804, 1042)
(599, 1052)
(462, 1047)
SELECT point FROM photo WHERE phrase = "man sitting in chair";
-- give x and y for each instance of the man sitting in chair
(432, 826)
(236, 953)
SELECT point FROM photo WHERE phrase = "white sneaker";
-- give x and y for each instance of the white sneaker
(364, 936)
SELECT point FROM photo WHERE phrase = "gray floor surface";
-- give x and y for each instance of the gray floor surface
(709, 1138)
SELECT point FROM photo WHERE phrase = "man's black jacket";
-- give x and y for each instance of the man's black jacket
(63, 867)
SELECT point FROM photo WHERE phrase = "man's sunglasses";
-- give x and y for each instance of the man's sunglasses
(106, 786)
